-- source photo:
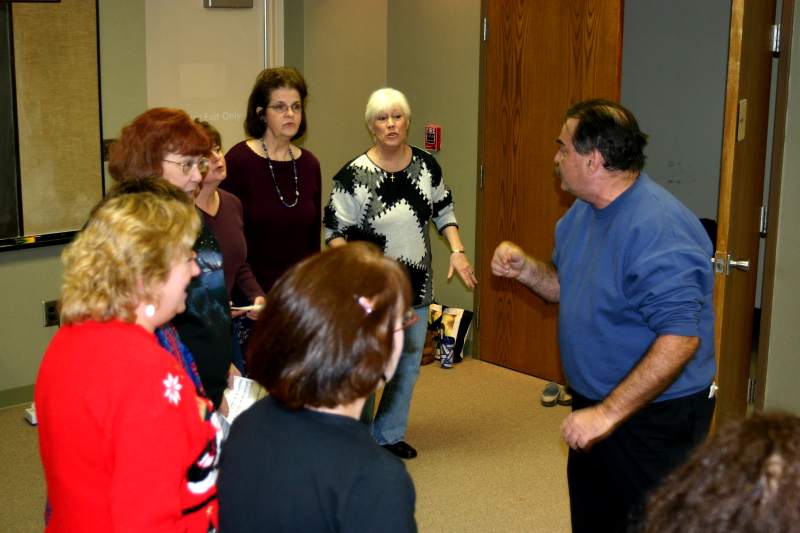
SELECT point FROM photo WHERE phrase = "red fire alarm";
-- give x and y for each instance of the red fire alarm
(433, 137)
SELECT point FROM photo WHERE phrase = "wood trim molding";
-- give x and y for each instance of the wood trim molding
(778, 140)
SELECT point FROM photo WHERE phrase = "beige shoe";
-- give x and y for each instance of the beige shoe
(550, 394)
(564, 397)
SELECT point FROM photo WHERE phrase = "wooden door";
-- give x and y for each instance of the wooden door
(740, 197)
(540, 56)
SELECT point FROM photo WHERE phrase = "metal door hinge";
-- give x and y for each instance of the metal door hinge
(762, 224)
(477, 317)
(751, 391)
(775, 39)
(480, 179)
(485, 29)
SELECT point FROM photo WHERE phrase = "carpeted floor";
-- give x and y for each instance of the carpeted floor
(22, 487)
(490, 456)
(491, 459)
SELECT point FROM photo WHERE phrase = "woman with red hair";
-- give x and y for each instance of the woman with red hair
(167, 143)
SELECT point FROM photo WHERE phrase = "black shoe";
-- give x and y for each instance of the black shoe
(401, 449)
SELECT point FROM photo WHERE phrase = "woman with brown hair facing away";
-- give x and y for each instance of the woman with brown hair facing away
(745, 478)
(299, 459)
(279, 183)
(126, 443)
(167, 143)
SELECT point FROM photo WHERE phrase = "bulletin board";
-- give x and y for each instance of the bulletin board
(52, 82)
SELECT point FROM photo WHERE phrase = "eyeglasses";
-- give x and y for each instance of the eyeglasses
(186, 166)
(410, 317)
(282, 108)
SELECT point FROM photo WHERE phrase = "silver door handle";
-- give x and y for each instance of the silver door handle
(723, 263)
(741, 264)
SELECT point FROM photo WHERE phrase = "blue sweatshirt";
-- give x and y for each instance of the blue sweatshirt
(629, 272)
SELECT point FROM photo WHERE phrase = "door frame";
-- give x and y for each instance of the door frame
(773, 204)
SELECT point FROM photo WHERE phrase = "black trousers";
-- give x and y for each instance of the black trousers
(609, 484)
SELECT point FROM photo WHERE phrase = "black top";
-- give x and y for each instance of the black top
(205, 326)
(302, 471)
(277, 236)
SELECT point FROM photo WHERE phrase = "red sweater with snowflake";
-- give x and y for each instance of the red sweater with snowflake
(120, 434)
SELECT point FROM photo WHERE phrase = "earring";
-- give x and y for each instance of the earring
(150, 310)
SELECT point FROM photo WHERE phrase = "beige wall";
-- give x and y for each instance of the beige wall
(434, 57)
(123, 67)
(204, 60)
(782, 391)
(344, 60)
(27, 278)
(293, 33)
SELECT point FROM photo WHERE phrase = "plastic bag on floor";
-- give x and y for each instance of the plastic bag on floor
(430, 350)
(447, 330)
(455, 328)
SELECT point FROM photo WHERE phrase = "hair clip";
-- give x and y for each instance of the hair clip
(365, 304)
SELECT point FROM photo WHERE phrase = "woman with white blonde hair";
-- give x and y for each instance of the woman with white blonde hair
(125, 441)
(387, 196)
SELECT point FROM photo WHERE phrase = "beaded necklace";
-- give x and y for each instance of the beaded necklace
(275, 181)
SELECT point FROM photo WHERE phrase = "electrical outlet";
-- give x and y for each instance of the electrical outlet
(51, 317)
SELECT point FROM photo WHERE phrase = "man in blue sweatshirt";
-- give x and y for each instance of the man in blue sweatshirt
(632, 277)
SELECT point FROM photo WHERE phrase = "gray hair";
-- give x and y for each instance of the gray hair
(383, 100)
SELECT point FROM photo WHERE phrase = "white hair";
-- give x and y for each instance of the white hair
(384, 100)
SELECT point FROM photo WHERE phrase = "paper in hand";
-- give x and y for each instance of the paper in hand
(244, 393)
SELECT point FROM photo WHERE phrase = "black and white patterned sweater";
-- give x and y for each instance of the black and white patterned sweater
(392, 210)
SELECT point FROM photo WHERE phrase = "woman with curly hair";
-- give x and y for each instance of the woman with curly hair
(125, 441)
(744, 478)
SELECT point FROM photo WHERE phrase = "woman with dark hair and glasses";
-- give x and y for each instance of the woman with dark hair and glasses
(299, 459)
(167, 143)
(278, 183)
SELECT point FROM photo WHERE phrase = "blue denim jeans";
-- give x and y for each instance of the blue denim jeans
(391, 420)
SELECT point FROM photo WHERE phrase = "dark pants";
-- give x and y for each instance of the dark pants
(609, 484)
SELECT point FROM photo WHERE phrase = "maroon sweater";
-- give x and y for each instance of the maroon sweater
(277, 236)
(226, 226)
